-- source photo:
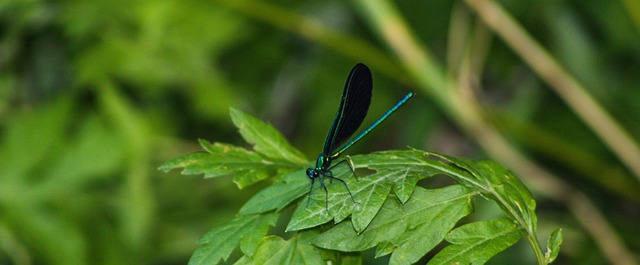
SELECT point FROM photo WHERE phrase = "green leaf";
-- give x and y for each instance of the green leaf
(402, 169)
(515, 198)
(245, 230)
(407, 223)
(500, 185)
(334, 203)
(279, 195)
(553, 246)
(275, 250)
(397, 170)
(273, 154)
(265, 138)
(476, 243)
(246, 167)
(410, 231)
(497, 183)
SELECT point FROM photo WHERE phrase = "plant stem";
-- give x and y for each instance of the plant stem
(569, 89)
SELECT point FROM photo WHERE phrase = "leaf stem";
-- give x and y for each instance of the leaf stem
(537, 249)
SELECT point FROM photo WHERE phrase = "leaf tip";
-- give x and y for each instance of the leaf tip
(553, 245)
(164, 168)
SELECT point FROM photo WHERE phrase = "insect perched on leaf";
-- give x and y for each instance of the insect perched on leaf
(354, 104)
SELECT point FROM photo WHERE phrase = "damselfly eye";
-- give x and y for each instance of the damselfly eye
(312, 173)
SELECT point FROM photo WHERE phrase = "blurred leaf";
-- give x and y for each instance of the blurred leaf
(171, 48)
(553, 246)
(245, 230)
(137, 193)
(51, 235)
(477, 242)
(91, 157)
(30, 137)
(41, 182)
(266, 139)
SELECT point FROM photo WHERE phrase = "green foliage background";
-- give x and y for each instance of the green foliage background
(95, 95)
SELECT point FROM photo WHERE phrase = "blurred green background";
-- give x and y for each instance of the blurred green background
(95, 95)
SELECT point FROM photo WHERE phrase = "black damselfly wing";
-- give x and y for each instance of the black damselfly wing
(354, 105)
